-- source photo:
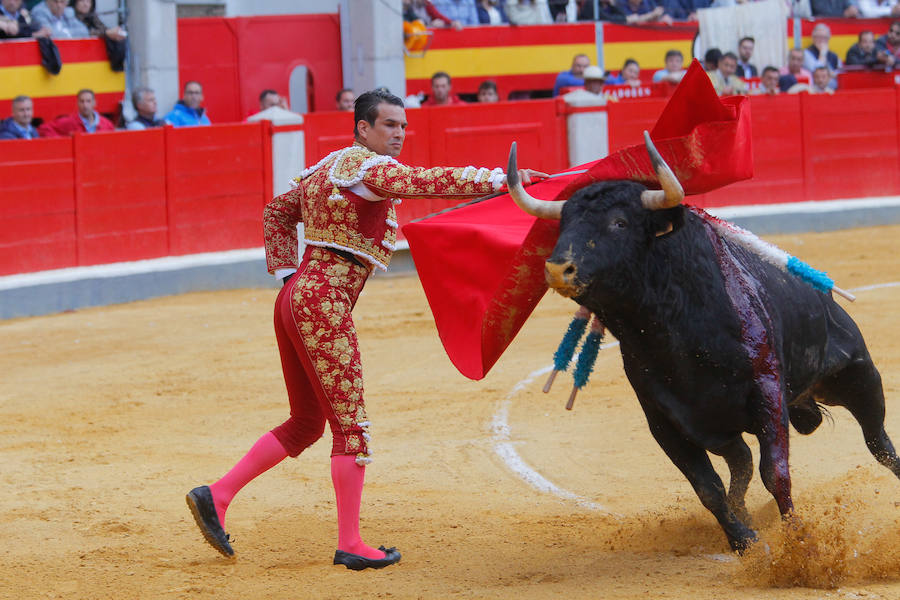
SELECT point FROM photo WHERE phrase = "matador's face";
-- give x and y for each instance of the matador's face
(387, 134)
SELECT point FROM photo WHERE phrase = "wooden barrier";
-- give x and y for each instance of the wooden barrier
(120, 196)
(236, 58)
(37, 207)
(129, 195)
(805, 147)
(216, 186)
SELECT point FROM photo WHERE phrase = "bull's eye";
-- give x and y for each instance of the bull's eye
(620, 223)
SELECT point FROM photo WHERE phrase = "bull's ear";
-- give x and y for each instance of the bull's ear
(665, 222)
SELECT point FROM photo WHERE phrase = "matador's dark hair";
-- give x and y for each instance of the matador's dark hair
(366, 106)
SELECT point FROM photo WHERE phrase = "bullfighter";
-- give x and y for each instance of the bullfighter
(346, 203)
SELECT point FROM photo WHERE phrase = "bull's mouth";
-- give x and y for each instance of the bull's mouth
(568, 291)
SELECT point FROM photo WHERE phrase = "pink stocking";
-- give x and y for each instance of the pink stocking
(348, 477)
(265, 454)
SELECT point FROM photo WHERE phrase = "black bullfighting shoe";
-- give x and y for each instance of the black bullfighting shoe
(200, 501)
(358, 563)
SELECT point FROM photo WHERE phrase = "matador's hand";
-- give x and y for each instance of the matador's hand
(528, 176)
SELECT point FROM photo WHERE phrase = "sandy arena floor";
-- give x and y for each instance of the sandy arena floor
(109, 416)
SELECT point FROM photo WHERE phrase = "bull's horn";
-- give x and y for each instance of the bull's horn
(543, 209)
(671, 193)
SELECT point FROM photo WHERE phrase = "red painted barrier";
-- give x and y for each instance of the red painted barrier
(777, 138)
(858, 78)
(120, 196)
(805, 147)
(236, 58)
(628, 120)
(130, 195)
(215, 180)
(850, 146)
(37, 207)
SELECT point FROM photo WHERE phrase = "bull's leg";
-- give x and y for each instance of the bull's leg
(693, 462)
(740, 465)
(858, 387)
(772, 434)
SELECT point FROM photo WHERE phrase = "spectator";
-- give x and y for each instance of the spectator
(794, 70)
(487, 92)
(528, 12)
(59, 19)
(114, 37)
(834, 8)
(818, 54)
(441, 91)
(462, 11)
(144, 101)
(629, 75)
(745, 52)
(15, 22)
(711, 59)
(18, 126)
(888, 45)
(821, 81)
(572, 77)
(724, 80)
(558, 10)
(594, 80)
(674, 71)
(491, 12)
(879, 9)
(424, 11)
(344, 99)
(270, 98)
(85, 11)
(819, 84)
(641, 11)
(684, 10)
(609, 11)
(85, 120)
(187, 111)
(768, 84)
(863, 51)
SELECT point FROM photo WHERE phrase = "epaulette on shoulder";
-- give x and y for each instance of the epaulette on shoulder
(351, 165)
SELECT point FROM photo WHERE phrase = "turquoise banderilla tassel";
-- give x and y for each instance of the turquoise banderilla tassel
(586, 359)
(563, 355)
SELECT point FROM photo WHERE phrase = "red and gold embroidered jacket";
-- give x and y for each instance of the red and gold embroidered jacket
(346, 201)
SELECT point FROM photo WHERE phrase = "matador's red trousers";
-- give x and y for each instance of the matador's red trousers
(320, 355)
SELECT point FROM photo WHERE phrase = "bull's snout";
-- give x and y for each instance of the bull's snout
(561, 277)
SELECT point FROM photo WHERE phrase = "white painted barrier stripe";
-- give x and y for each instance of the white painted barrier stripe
(824, 206)
(139, 267)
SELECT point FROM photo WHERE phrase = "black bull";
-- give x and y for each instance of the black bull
(715, 342)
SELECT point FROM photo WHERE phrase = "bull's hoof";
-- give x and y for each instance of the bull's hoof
(742, 544)
(805, 416)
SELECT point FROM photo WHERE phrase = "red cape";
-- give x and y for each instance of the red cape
(482, 266)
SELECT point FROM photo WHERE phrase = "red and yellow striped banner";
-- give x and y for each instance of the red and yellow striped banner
(84, 65)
